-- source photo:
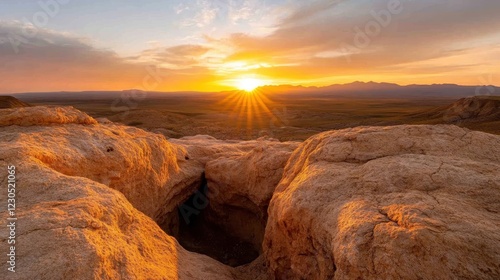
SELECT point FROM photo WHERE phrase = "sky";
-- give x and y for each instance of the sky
(202, 45)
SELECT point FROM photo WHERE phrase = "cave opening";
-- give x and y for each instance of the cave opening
(197, 232)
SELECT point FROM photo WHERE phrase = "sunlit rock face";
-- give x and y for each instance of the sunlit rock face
(89, 196)
(75, 228)
(154, 175)
(405, 202)
(42, 115)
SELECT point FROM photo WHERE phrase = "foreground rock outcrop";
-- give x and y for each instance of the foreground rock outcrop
(153, 174)
(404, 202)
(74, 228)
(84, 194)
(41, 115)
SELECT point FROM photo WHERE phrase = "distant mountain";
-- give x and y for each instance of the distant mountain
(384, 90)
(351, 90)
(11, 102)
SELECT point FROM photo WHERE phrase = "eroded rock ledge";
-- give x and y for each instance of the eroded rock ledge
(373, 203)
(89, 196)
(403, 202)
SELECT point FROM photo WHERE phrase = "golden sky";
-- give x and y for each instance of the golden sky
(215, 45)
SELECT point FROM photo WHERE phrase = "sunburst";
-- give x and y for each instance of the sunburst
(253, 112)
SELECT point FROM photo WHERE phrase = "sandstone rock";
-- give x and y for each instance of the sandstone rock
(404, 202)
(79, 192)
(71, 227)
(153, 174)
(205, 148)
(43, 115)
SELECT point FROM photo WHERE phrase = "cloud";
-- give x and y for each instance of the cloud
(243, 10)
(180, 56)
(309, 10)
(419, 31)
(53, 61)
(206, 12)
(182, 7)
(316, 41)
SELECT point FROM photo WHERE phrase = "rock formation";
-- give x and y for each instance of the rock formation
(404, 202)
(84, 194)
(398, 202)
(42, 115)
(71, 227)
(154, 175)
(473, 109)
(477, 110)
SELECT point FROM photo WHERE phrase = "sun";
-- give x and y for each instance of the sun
(249, 84)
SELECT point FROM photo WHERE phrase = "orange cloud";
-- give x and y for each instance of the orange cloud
(318, 43)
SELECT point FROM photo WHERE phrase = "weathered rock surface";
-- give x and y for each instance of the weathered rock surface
(153, 174)
(205, 148)
(74, 228)
(80, 186)
(42, 115)
(404, 202)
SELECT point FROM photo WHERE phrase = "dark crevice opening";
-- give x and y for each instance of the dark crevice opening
(196, 232)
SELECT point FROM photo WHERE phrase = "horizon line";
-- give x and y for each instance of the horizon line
(264, 86)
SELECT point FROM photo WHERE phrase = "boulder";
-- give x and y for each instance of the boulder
(403, 202)
(43, 116)
(153, 174)
(90, 196)
(71, 227)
